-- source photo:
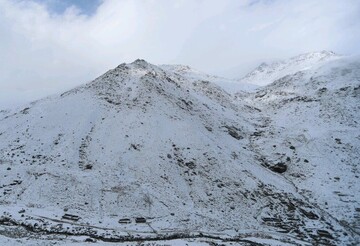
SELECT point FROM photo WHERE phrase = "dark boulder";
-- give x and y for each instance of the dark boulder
(279, 167)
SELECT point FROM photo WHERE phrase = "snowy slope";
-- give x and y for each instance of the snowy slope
(312, 126)
(143, 141)
(267, 73)
(192, 75)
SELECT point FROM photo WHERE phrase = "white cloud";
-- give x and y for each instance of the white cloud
(42, 52)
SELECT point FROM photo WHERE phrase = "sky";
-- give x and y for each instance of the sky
(49, 46)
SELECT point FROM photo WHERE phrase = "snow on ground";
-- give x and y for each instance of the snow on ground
(164, 154)
(315, 130)
(192, 75)
(266, 73)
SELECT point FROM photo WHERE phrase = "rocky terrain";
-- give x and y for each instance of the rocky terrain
(166, 155)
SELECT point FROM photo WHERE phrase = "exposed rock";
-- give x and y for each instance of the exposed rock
(234, 132)
(279, 167)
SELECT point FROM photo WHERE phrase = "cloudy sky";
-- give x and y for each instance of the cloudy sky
(47, 46)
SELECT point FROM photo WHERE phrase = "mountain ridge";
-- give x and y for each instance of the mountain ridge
(266, 73)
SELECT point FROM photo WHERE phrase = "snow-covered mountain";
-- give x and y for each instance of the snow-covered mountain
(313, 127)
(267, 73)
(149, 152)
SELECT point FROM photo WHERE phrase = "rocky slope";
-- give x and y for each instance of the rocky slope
(313, 129)
(148, 152)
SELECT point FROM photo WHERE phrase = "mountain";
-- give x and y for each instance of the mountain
(152, 153)
(266, 73)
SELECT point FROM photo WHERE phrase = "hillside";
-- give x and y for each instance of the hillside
(150, 153)
(313, 127)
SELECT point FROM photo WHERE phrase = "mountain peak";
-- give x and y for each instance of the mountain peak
(267, 73)
(138, 63)
(141, 63)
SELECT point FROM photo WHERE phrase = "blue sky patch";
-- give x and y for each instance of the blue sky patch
(87, 7)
